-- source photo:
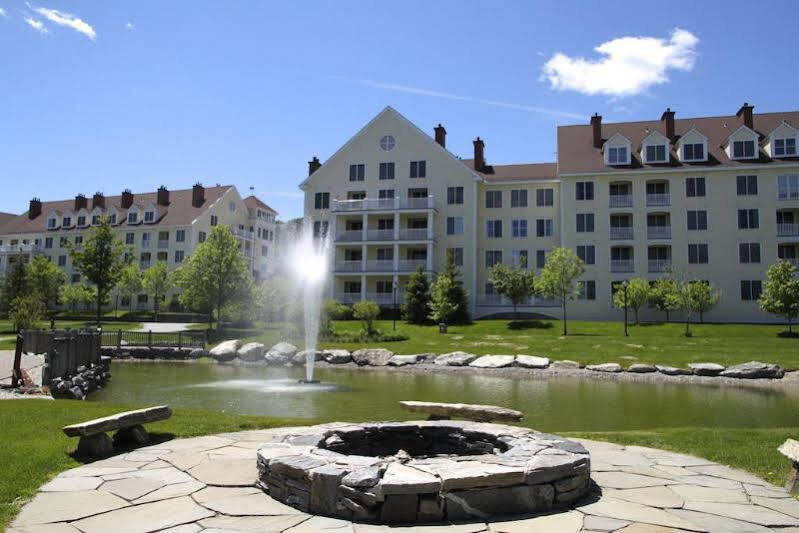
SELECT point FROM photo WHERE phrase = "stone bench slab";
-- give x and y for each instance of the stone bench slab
(118, 421)
(480, 413)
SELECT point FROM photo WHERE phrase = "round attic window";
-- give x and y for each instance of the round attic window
(387, 142)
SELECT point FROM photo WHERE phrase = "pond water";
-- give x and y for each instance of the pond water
(561, 404)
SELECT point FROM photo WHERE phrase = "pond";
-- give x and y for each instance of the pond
(560, 404)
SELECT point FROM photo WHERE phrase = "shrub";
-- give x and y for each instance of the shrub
(26, 311)
(367, 312)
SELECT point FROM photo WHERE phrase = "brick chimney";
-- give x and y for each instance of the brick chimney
(98, 200)
(127, 198)
(441, 135)
(667, 120)
(596, 128)
(197, 195)
(80, 202)
(745, 115)
(34, 208)
(313, 165)
(479, 154)
(162, 197)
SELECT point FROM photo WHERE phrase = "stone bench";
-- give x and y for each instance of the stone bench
(477, 413)
(790, 449)
(94, 442)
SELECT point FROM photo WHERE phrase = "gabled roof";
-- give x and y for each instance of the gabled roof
(252, 202)
(576, 153)
(655, 137)
(5, 218)
(518, 172)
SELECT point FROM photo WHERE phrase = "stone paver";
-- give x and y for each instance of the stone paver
(207, 484)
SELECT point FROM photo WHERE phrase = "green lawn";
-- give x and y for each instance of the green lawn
(587, 342)
(8, 337)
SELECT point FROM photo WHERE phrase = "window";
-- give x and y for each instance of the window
(493, 229)
(519, 228)
(785, 147)
(201, 236)
(145, 239)
(78, 240)
(493, 257)
(587, 253)
(66, 222)
(540, 258)
(62, 260)
(214, 220)
(357, 172)
(133, 217)
(95, 220)
(697, 220)
(48, 242)
(748, 219)
(751, 289)
(418, 169)
(585, 190)
(656, 153)
(519, 258)
(62, 242)
(746, 185)
(454, 195)
(75, 278)
(161, 256)
(749, 252)
(617, 155)
(387, 143)
(356, 195)
(51, 222)
(385, 194)
(113, 218)
(141, 298)
(178, 256)
(454, 225)
(457, 255)
(129, 238)
(693, 152)
(320, 228)
(493, 198)
(543, 227)
(518, 198)
(544, 197)
(386, 171)
(785, 217)
(231, 206)
(587, 290)
(321, 200)
(81, 221)
(694, 187)
(743, 149)
(180, 235)
(585, 222)
(788, 187)
(149, 216)
(352, 287)
(697, 253)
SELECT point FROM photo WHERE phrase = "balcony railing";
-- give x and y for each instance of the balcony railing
(348, 297)
(497, 300)
(380, 265)
(382, 204)
(622, 265)
(243, 233)
(385, 298)
(355, 235)
(408, 265)
(413, 234)
(20, 248)
(621, 200)
(163, 244)
(376, 265)
(143, 265)
(787, 230)
(658, 232)
(380, 234)
(659, 199)
(624, 233)
(145, 244)
(659, 265)
(348, 266)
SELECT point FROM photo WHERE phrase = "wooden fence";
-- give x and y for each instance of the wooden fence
(65, 350)
(153, 339)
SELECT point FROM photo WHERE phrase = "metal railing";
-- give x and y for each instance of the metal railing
(163, 244)
(21, 248)
(380, 235)
(497, 300)
(244, 234)
(787, 230)
(620, 200)
(792, 260)
(409, 265)
(622, 265)
(150, 339)
(382, 204)
(348, 266)
(385, 298)
(659, 265)
(624, 233)
(355, 235)
(413, 234)
(658, 232)
(145, 243)
(348, 297)
(658, 199)
(380, 265)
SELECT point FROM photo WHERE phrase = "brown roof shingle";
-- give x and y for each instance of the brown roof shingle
(252, 202)
(517, 172)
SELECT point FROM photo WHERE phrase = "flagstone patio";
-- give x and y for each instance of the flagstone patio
(207, 484)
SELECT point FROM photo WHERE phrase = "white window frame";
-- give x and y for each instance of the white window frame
(784, 146)
(645, 151)
(791, 187)
(687, 159)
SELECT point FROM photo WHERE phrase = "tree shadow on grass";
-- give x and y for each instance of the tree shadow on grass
(529, 324)
(155, 438)
(788, 334)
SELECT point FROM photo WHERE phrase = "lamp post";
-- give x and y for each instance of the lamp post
(394, 327)
(624, 288)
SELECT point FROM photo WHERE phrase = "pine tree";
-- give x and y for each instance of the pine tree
(417, 298)
(456, 293)
(15, 284)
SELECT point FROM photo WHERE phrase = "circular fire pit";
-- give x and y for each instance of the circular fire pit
(423, 471)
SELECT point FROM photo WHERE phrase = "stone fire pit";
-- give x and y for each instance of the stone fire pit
(424, 471)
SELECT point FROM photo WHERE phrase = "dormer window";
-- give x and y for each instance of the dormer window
(693, 152)
(133, 217)
(743, 149)
(784, 147)
(112, 218)
(617, 155)
(95, 220)
(66, 222)
(149, 216)
(51, 223)
(81, 221)
(656, 153)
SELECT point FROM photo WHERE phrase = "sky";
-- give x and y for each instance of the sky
(102, 96)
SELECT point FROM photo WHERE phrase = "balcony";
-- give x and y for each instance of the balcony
(658, 200)
(145, 244)
(620, 200)
(624, 233)
(380, 265)
(381, 204)
(787, 230)
(355, 235)
(21, 248)
(659, 265)
(409, 265)
(658, 232)
(163, 244)
(243, 233)
(622, 265)
(348, 266)
(348, 297)
(380, 234)
(385, 298)
(413, 234)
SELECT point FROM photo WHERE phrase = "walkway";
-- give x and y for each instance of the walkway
(163, 327)
(206, 483)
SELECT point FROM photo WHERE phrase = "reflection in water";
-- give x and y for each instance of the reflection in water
(562, 404)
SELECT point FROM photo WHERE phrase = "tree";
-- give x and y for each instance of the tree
(558, 279)
(688, 302)
(130, 283)
(515, 284)
(76, 294)
(637, 295)
(155, 281)
(663, 295)
(367, 312)
(706, 297)
(456, 292)
(100, 260)
(417, 297)
(26, 311)
(442, 306)
(781, 294)
(214, 274)
(46, 279)
(15, 284)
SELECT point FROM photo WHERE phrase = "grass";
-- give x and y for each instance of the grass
(8, 336)
(587, 342)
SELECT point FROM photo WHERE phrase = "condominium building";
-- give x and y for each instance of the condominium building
(157, 226)
(711, 198)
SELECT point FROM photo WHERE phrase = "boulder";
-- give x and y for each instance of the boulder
(337, 356)
(493, 361)
(706, 369)
(673, 370)
(252, 351)
(641, 368)
(479, 413)
(402, 360)
(605, 367)
(372, 356)
(455, 359)
(532, 361)
(566, 364)
(299, 357)
(226, 351)
(280, 354)
(754, 370)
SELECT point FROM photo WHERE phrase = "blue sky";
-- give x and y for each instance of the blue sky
(107, 95)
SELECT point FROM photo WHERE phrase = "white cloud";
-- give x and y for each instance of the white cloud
(630, 65)
(37, 25)
(450, 96)
(3, 12)
(129, 26)
(66, 19)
